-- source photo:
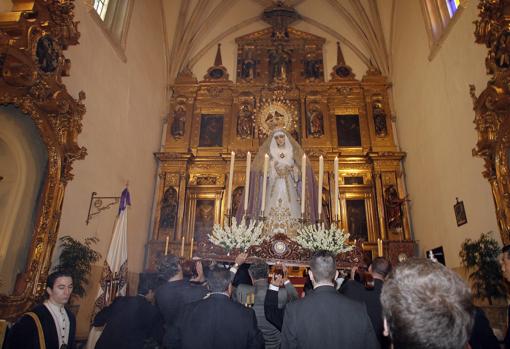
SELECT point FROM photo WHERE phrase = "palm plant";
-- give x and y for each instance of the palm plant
(76, 258)
(481, 258)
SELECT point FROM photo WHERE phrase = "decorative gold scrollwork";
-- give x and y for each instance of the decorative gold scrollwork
(492, 107)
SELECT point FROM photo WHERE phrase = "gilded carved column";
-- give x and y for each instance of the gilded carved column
(492, 106)
(380, 203)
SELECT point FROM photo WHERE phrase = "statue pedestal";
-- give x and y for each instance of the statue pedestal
(279, 248)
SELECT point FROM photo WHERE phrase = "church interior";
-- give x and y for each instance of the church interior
(394, 108)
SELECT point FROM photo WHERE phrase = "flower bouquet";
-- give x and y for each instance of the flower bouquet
(237, 236)
(316, 237)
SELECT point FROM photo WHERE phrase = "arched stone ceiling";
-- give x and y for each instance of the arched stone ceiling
(195, 27)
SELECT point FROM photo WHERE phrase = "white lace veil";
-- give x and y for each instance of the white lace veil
(257, 169)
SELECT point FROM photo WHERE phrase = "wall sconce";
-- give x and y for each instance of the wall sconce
(100, 203)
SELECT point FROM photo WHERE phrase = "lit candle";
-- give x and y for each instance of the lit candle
(380, 247)
(166, 244)
(191, 248)
(182, 247)
(319, 192)
(230, 179)
(264, 183)
(335, 201)
(247, 183)
(303, 184)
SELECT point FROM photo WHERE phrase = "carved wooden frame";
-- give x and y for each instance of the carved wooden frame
(492, 107)
(57, 116)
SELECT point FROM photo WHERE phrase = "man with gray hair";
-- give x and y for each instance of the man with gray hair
(326, 319)
(426, 305)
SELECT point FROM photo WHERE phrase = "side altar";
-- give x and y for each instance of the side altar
(335, 119)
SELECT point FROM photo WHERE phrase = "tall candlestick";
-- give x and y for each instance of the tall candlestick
(191, 248)
(182, 247)
(264, 183)
(380, 247)
(166, 244)
(247, 185)
(230, 179)
(319, 192)
(335, 201)
(303, 184)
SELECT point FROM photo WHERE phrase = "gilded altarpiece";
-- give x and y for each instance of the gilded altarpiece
(286, 69)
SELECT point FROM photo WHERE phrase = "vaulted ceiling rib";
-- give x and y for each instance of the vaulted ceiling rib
(197, 19)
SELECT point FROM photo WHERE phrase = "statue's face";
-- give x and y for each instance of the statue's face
(280, 139)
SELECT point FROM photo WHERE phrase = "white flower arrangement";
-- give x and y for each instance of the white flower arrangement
(237, 236)
(316, 237)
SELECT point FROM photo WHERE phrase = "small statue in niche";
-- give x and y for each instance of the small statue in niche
(47, 54)
(245, 122)
(315, 121)
(502, 51)
(393, 207)
(312, 67)
(168, 211)
(179, 121)
(279, 61)
(248, 66)
(379, 115)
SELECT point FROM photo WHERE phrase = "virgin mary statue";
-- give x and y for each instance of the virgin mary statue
(282, 209)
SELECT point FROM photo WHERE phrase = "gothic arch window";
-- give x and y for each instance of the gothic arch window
(440, 16)
(113, 17)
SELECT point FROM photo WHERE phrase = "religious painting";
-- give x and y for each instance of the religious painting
(204, 218)
(357, 219)
(168, 213)
(460, 212)
(315, 120)
(211, 131)
(348, 131)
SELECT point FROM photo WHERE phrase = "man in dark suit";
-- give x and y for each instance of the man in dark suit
(57, 323)
(175, 293)
(217, 322)
(326, 319)
(130, 321)
(371, 296)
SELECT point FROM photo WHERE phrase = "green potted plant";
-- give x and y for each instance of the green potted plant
(480, 257)
(76, 258)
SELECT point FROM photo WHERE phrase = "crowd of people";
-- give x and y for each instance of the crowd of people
(418, 304)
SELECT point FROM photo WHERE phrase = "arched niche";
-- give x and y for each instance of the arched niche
(23, 166)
